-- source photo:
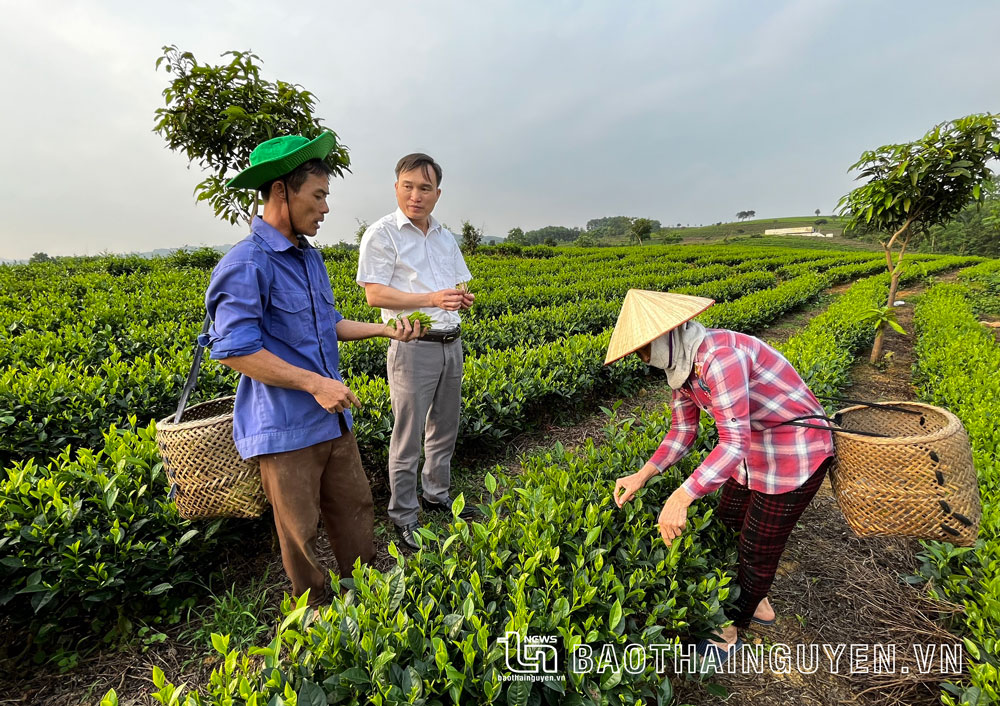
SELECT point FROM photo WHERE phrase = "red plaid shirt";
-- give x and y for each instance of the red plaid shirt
(748, 388)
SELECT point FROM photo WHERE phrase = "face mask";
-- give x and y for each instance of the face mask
(659, 352)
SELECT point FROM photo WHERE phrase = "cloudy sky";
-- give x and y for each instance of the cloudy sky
(541, 113)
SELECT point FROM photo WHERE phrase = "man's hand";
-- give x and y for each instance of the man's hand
(333, 395)
(673, 516)
(451, 299)
(405, 330)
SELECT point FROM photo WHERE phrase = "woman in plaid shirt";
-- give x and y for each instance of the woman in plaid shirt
(768, 470)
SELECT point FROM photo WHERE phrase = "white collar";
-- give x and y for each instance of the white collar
(402, 220)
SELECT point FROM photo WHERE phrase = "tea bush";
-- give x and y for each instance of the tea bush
(91, 539)
(551, 556)
(957, 361)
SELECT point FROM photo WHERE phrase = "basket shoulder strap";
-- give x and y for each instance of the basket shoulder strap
(834, 422)
(192, 377)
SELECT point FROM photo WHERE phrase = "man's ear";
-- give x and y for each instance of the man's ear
(278, 190)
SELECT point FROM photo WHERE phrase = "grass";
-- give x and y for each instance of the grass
(247, 613)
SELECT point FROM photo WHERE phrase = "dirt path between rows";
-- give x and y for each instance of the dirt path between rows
(832, 587)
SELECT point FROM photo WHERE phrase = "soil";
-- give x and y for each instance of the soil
(832, 587)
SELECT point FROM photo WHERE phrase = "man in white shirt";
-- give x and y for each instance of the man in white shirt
(409, 262)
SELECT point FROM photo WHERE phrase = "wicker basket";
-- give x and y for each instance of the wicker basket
(919, 482)
(209, 477)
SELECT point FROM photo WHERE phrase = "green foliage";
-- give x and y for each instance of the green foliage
(40, 257)
(82, 350)
(245, 613)
(359, 232)
(915, 185)
(617, 227)
(426, 323)
(639, 230)
(956, 363)
(515, 236)
(471, 238)
(879, 316)
(975, 230)
(556, 234)
(552, 556)
(90, 540)
(204, 258)
(217, 115)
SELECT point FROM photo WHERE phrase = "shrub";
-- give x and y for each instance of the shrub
(91, 539)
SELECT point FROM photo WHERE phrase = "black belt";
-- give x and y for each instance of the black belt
(446, 336)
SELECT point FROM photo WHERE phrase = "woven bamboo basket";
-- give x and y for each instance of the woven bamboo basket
(210, 478)
(919, 482)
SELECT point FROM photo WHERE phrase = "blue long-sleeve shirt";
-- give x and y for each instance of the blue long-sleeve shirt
(267, 294)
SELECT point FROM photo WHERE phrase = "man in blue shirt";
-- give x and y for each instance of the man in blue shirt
(275, 322)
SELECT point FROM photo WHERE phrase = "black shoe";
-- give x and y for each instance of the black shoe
(407, 533)
(468, 512)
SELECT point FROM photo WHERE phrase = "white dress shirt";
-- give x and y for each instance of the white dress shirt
(396, 253)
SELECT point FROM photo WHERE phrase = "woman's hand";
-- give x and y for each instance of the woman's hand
(627, 486)
(673, 516)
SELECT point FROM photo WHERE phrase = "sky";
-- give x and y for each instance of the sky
(540, 113)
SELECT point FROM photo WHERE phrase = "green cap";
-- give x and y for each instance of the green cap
(279, 156)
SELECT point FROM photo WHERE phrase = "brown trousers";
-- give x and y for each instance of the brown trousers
(324, 480)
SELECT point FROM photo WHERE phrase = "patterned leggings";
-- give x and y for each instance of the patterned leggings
(764, 523)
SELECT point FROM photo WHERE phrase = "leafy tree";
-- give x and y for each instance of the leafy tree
(471, 238)
(639, 229)
(515, 236)
(916, 185)
(216, 115)
(743, 215)
(360, 232)
(586, 240)
(550, 241)
(40, 257)
(817, 213)
(975, 230)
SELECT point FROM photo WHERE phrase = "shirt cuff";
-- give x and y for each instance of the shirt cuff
(235, 344)
(372, 278)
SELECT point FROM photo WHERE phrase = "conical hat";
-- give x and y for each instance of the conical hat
(645, 316)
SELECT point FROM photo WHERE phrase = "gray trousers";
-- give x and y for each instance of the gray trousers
(425, 388)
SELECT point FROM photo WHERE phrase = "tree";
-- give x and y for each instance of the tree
(550, 241)
(471, 238)
(556, 233)
(586, 240)
(916, 185)
(216, 115)
(360, 232)
(743, 215)
(638, 229)
(516, 237)
(817, 213)
(975, 230)
(39, 257)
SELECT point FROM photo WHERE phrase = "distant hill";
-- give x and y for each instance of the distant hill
(752, 232)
